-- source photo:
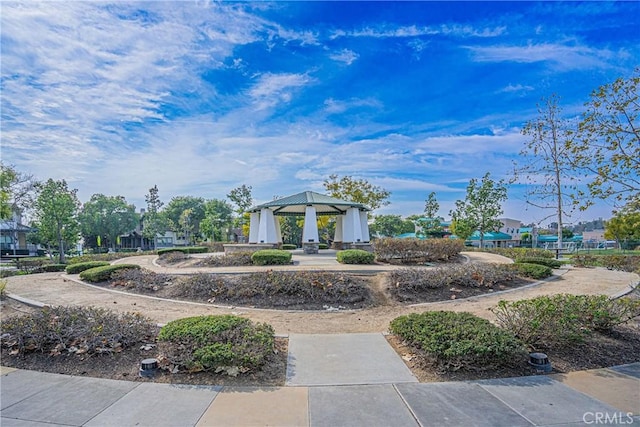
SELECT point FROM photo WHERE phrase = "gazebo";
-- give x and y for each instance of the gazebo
(352, 229)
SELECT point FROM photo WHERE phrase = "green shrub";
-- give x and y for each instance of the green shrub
(323, 246)
(355, 256)
(185, 250)
(534, 271)
(561, 320)
(105, 257)
(79, 330)
(52, 268)
(416, 251)
(217, 343)
(548, 262)
(3, 288)
(271, 257)
(289, 247)
(82, 266)
(459, 340)
(101, 274)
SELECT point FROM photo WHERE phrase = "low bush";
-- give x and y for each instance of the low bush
(459, 340)
(308, 289)
(184, 250)
(548, 262)
(233, 259)
(33, 264)
(82, 266)
(271, 257)
(3, 288)
(416, 251)
(412, 284)
(79, 330)
(533, 271)
(289, 247)
(52, 268)
(224, 343)
(516, 253)
(323, 246)
(101, 274)
(105, 257)
(562, 320)
(140, 280)
(172, 257)
(355, 256)
(620, 262)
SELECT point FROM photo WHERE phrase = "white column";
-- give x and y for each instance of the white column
(337, 237)
(267, 230)
(254, 227)
(352, 231)
(310, 230)
(364, 224)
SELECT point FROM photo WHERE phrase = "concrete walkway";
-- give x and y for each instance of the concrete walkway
(581, 398)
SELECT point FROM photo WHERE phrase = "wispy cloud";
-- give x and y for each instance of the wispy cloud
(565, 57)
(272, 89)
(389, 31)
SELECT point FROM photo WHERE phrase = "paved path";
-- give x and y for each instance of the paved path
(581, 398)
(332, 380)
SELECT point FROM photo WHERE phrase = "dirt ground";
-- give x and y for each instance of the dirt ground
(58, 289)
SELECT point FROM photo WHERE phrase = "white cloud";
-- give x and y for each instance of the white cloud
(566, 57)
(271, 89)
(346, 56)
(517, 88)
(390, 31)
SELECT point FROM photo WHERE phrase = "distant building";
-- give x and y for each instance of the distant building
(13, 238)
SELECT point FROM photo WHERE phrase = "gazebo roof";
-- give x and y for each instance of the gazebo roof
(296, 204)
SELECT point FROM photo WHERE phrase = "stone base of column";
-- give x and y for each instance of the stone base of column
(310, 247)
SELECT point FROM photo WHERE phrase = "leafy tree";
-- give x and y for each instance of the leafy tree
(17, 190)
(176, 207)
(55, 211)
(391, 225)
(607, 148)
(545, 164)
(357, 190)
(218, 217)
(625, 226)
(186, 224)
(480, 209)
(107, 216)
(242, 199)
(431, 224)
(291, 228)
(153, 222)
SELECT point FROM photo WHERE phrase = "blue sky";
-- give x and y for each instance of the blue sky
(200, 97)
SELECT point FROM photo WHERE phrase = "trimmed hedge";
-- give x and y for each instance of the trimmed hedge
(271, 257)
(101, 274)
(630, 263)
(459, 340)
(355, 256)
(323, 246)
(288, 247)
(223, 343)
(534, 271)
(80, 267)
(548, 262)
(185, 250)
(52, 268)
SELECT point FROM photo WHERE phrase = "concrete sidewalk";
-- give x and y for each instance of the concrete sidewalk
(581, 398)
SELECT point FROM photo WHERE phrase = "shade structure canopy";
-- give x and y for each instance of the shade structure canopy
(296, 205)
(351, 219)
